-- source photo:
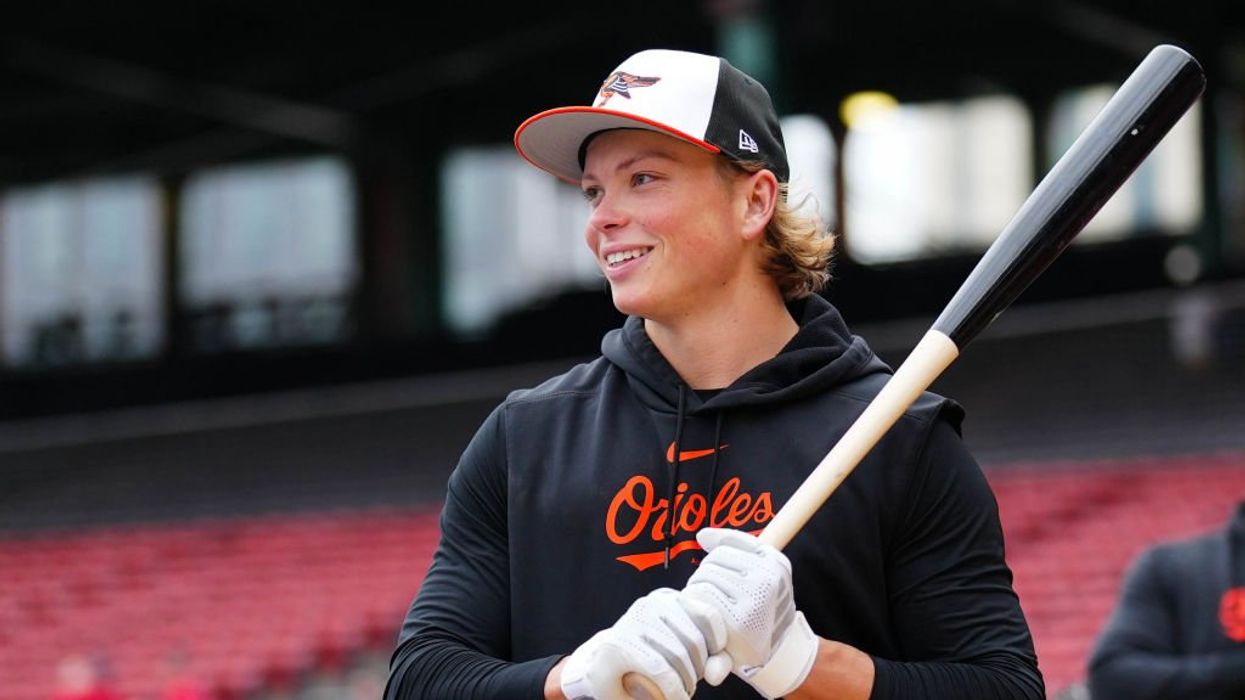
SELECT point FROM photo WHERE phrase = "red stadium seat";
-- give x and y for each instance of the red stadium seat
(251, 601)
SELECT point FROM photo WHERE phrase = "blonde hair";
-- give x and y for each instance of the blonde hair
(797, 247)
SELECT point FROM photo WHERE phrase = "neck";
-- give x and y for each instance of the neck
(713, 347)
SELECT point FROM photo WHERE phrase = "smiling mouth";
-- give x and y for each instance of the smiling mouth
(622, 256)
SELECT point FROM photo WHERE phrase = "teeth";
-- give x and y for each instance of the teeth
(615, 258)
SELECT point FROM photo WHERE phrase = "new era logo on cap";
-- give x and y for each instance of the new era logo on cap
(747, 143)
(701, 99)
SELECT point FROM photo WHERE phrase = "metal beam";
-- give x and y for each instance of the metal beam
(470, 64)
(235, 106)
(1102, 28)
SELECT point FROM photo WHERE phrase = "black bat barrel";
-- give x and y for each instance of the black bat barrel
(1141, 112)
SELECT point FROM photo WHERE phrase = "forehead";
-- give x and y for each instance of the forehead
(617, 147)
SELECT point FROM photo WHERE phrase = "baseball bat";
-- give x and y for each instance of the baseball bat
(1159, 91)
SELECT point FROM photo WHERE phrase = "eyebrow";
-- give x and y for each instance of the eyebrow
(652, 153)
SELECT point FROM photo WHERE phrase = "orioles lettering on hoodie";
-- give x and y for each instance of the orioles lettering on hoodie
(637, 503)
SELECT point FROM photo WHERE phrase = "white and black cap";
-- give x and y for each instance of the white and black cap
(701, 99)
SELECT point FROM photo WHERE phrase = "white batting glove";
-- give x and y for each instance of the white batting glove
(656, 638)
(747, 586)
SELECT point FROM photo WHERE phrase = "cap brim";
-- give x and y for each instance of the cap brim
(551, 140)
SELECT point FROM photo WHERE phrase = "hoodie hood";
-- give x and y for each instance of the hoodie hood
(823, 354)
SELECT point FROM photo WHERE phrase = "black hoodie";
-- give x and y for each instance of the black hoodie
(556, 520)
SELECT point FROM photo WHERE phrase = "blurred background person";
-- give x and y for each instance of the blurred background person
(1178, 630)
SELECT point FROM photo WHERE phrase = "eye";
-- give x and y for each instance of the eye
(640, 179)
(591, 194)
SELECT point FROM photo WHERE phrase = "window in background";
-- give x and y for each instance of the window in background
(268, 254)
(931, 179)
(81, 272)
(812, 153)
(515, 234)
(1164, 194)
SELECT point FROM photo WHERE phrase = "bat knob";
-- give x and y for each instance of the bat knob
(641, 688)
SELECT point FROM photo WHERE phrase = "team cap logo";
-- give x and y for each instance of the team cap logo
(620, 83)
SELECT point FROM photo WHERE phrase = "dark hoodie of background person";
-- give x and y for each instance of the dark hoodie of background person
(1178, 630)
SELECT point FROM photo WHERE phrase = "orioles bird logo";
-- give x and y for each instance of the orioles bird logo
(620, 83)
(1232, 613)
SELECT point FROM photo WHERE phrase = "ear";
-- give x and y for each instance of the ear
(760, 190)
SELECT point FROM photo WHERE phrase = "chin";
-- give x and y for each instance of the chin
(629, 304)
(628, 309)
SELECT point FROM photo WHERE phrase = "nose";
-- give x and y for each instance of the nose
(607, 215)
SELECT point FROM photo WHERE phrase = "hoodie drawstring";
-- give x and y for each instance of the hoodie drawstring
(677, 460)
(717, 452)
(674, 475)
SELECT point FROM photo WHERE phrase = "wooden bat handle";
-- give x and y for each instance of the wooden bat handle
(928, 360)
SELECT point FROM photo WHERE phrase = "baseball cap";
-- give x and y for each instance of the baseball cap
(701, 99)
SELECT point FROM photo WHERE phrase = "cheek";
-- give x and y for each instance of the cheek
(710, 215)
(704, 232)
(591, 239)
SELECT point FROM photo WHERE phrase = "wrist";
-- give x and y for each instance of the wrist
(840, 671)
(553, 682)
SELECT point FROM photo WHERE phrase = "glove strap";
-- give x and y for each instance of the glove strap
(575, 684)
(790, 664)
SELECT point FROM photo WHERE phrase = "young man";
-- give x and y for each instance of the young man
(600, 524)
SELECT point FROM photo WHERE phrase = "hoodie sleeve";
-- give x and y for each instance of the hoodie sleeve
(953, 608)
(1136, 655)
(455, 641)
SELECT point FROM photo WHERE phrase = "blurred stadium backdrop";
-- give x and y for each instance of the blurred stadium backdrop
(264, 267)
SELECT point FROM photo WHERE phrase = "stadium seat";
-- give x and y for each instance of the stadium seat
(252, 601)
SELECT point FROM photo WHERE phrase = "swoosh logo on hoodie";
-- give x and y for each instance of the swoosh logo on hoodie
(689, 455)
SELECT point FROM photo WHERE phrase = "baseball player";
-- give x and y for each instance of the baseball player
(599, 527)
